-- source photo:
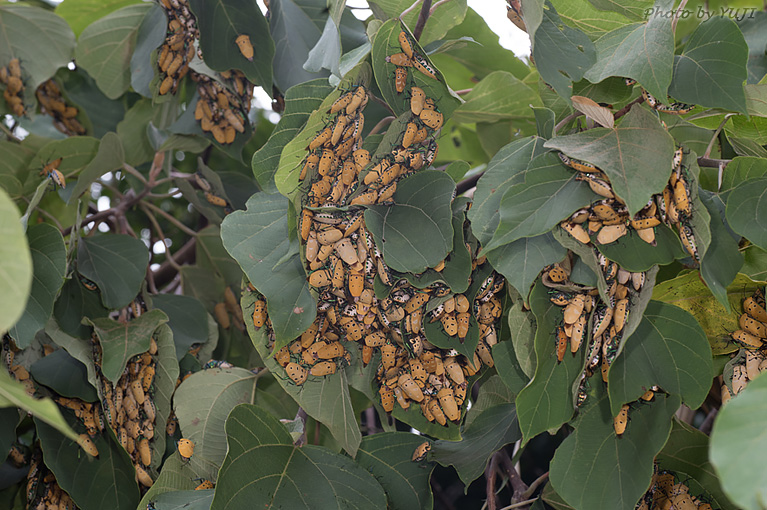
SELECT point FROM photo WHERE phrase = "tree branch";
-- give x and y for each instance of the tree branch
(713, 163)
(490, 471)
(422, 18)
(623, 111)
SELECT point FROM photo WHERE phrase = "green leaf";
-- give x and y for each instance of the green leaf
(164, 385)
(258, 240)
(176, 475)
(13, 394)
(504, 170)
(500, 95)
(326, 54)
(562, 53)
(74, 303)
(508, 368)
(755, 264)
(741, 169)
(64, 374)
(110, 157)
(522, 326)
(545, 119)
(635, 155)
(642, 51)
(326, 399)
(684, 369)
(747, 210)
(220, 23)
(632, 9)
(286, 19)
(105, 47)
(80, 349)
(736, 446)
(121, 341)
(722, 260)
(13, 166)
(40, 40)
(202, 403)
(81, 13)
(187, 319)
(491, 430)
(49, 262)
(104, 114)
(548, 195)
(387, 456)
(635, 255)
(486, 56)
(686, 451)
(116, 264)
(416, 232)
(15, 264)
(753, 31)
(521, 261)
(262, 467)
(547, 402)
(300, 100)
(592, 19)
(106, 481)
(187, 500)
(712, 68)
(612, 472)
(151, 34)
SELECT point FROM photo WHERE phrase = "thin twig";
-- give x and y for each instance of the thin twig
(533, 486)
(562, 123)
(468, 183)
(135, 173)
(184, 255)
(520, 504)
(490, 471)
(677, 14)
(162, 236)
(181, 226)
(9, 133)
(381, 124)
(710, 145)
(623, 111)
(713, 163)
(422, 18)
(463, 91)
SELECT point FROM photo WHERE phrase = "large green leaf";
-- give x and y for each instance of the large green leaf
(121, 341)
(41, 41)
(548, 195)
(686, 451)
(487, 56)
(300, 100)
(326, 399)
(151, 34)
(753, 31)
(13, 394)
(683, 369)
(747, 210)
(80, 349)
(162, 390)
(13, 166)
(415, 232)
(49, 261)
(690, 293)
(387, 456)
(108, 480)
(499, 96)
(595, 468)
(643, 52)
(635, 255)
(286, 19)
(187, 319)
(202, 403)
(504, 170)
(15, 264)
(220, 23)
(104, 114)
(74, 303)
(595, 17)
(562, 54)
(110, 157)
(116, 264)
(521, 261)
(105, 48)
(177, 475)
(737, 448)
(258, 239)
(81, 13)
(721, 260)
(64, 374)
(547, 402)
(755, 264)
(263, 468)
(635, 155)
(495, 427)
(712, 68)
